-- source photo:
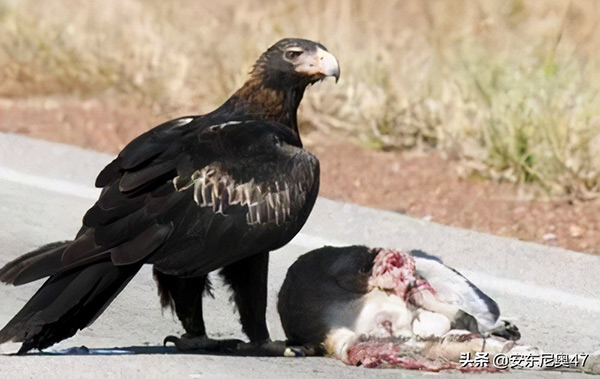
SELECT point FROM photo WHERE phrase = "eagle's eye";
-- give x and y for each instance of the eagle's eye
(292, 54)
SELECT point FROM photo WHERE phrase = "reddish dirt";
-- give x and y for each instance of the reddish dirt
(429, 186)
(420, 185)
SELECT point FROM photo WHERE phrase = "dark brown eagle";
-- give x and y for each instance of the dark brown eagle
(190, 196)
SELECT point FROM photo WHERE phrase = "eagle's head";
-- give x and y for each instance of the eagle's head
(295, 62)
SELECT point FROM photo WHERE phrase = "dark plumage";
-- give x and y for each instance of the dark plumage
(190, 196)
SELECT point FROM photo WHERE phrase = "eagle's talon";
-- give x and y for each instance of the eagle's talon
(172, 339)
(275, 349)
(202, 343)
(261, 349)
(300, 351)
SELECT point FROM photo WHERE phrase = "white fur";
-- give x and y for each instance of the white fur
(381, 309)
(339, 341)
(428, 324)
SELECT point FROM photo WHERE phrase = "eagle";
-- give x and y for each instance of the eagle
(190, 196)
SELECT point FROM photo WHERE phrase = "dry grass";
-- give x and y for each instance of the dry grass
(510, 87)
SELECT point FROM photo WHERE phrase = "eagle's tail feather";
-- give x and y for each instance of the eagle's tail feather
(34, 265)
(67, 302)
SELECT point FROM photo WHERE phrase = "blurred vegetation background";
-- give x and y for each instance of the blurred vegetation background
(509, 87)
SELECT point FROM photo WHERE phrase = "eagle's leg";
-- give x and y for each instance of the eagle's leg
(184, 295)
(248, 280)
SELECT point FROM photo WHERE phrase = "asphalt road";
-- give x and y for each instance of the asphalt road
(550, 293)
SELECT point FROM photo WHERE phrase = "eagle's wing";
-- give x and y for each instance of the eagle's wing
(183, 190)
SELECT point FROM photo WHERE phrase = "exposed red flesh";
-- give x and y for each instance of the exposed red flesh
(388, 354)
(395, 271)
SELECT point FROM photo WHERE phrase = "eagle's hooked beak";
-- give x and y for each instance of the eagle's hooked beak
(328, 64)
(320, 65)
